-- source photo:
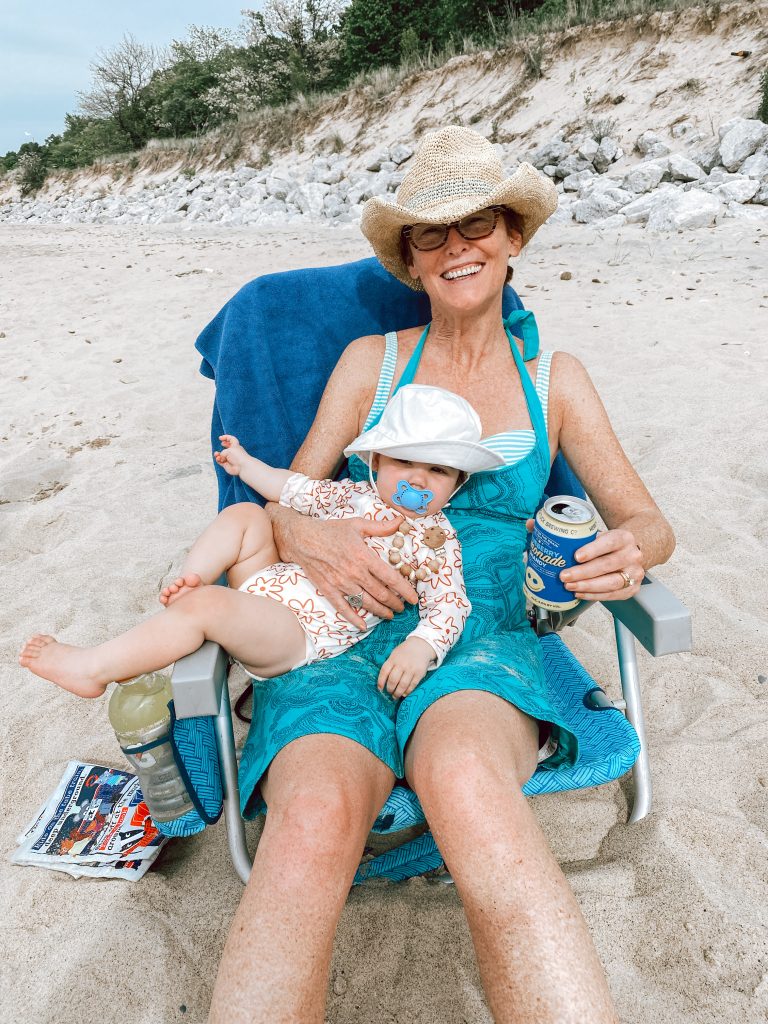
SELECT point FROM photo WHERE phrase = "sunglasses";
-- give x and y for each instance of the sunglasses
(427, 237)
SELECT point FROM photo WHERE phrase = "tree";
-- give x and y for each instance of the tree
(120, 79)
(307, 32)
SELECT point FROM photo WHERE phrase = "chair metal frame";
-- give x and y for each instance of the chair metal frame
(654, 616)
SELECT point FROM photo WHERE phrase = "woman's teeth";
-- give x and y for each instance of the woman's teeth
(451, 275)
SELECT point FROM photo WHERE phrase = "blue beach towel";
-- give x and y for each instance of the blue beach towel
(273, 346)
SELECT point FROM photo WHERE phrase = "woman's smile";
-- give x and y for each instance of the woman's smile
(466, 270)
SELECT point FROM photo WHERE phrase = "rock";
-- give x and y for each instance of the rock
(761, 196)
(682, 128)
(588, 149)
(244, 174)
(755, 166)
(399, 153)
(683, 169)
(572, 165)
(659, 150)
(278, 186)
(738, 190)
(193, 184)
(724, 128)
(638, 211)
(680, 210)
(618, 220)
(594, 207)
(751, 213)
(741, 141)
(551, 153)
(566, 275)
(707, 157)
(607, 152)
(573, 182)
(645, 142)
(643, 178)
(550, 170)
(374, 164)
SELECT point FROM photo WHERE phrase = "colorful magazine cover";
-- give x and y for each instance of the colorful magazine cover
(95, 823)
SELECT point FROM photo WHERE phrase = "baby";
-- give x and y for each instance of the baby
(272, 618)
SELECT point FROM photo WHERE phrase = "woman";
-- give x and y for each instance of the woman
(325, 748)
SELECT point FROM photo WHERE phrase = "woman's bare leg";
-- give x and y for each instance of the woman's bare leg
(263, 634)
(469, 756)
(239, 541)
(324, 793)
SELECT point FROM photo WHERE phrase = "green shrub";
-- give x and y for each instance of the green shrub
(31, 172)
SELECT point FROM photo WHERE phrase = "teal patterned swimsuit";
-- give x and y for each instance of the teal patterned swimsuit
(498, 651)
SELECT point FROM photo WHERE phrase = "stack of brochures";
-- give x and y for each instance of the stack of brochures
(95, 823)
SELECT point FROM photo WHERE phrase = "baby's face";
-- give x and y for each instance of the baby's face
(423, 476)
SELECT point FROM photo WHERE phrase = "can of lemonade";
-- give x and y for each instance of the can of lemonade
(562, 525)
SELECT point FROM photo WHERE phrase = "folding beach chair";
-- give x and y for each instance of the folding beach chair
(270, 351)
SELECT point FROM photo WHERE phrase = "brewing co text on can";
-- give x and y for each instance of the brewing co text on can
(563, 524)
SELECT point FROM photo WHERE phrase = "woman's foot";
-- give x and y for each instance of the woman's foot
(179, 587)
(68, 667)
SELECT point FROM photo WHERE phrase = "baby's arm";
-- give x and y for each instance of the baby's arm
(236, 461)
(406, 666)
(443, 610)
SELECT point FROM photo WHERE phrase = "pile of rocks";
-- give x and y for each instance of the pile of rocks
(665, 190)
(597, 181)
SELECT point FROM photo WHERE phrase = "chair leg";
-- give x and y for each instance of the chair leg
(630, 685)
(238, 848)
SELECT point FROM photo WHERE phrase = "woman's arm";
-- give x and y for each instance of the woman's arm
(638, 535)
(333, 553)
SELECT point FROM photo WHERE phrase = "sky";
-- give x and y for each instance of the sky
(46, 49)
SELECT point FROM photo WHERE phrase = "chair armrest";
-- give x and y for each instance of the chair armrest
(656, 617)
(197, 681)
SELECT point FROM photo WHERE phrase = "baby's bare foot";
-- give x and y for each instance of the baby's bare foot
(69, 667)
(180, 586)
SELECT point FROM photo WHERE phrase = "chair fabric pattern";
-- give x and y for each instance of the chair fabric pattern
(196, 752)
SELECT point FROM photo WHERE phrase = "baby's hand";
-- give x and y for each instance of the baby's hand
(233, 459)
(406, 667)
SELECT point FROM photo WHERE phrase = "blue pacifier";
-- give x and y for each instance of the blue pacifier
(409, 497)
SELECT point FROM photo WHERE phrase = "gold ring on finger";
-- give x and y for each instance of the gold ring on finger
(628, 581)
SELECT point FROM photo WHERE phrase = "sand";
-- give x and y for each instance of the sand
(106, 479)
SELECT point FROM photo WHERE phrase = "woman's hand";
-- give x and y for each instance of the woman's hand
(609, 568)
(335, 557)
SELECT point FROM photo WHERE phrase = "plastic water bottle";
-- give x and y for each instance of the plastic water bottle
(138, 711)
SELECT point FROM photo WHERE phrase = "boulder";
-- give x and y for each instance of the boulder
(742, 141)
(607, 152)
(278, 186)
(588, 149)
(374, 164)
(596, 206)
(572, 165)
(645, 177)
(738, 190)
(551, 153)
(756, 166)
(646, 140)
(683, 169)
(659, 150)
(679, 210)
(245, 173)
(708, 156)
(399, 153)
(573, 182)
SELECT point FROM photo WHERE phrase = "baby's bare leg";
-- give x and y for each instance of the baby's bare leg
(263, 634)
(239, 542)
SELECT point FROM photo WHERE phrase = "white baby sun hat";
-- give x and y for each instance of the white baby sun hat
(428, 424)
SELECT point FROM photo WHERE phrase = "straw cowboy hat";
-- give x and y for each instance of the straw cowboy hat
(427, 424)
(455, 172)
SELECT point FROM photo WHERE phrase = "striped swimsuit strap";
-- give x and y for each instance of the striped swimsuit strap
(513, 444)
